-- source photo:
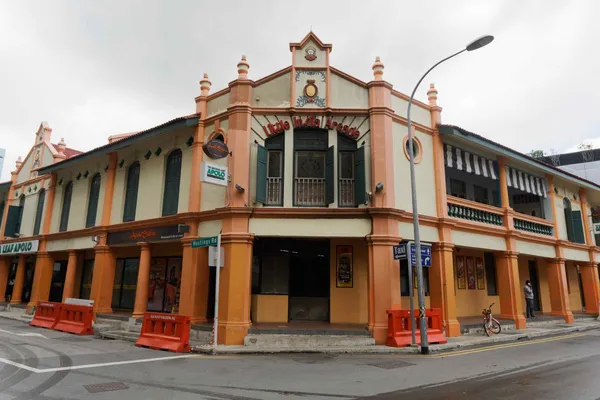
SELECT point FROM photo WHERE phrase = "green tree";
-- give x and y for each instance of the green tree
(536, 153)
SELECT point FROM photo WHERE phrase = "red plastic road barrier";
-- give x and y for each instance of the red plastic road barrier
(165, 332)
(400, 332)
(46, 314)
(75, 319)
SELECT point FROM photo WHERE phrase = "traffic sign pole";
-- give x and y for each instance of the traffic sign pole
(218, 275)
(412, 301)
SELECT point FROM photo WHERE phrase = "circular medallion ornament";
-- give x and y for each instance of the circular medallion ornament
(311, 90)
(311, 53)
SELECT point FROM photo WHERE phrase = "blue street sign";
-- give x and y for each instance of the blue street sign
(425, 254)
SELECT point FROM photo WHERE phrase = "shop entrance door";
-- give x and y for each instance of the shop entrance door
(12, 274)
(87, 273)
(125, 284)
(28, 285)
(309, 280)
(535, 284)
(59, 273)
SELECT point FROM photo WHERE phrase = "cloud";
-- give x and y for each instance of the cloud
(92, 69)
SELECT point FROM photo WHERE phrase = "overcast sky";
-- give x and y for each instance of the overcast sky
(93, 69)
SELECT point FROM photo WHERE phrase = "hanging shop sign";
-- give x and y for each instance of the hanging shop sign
(212, 173)
(215, 149)
(156, 234)
(344, 267)
(312, 121)
(30, 246)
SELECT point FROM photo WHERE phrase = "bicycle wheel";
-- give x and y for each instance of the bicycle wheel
(486, 328)
(495, 326)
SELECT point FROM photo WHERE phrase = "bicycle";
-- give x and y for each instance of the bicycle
(490, 324)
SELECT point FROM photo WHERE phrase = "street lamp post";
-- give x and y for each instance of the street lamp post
(474, 45)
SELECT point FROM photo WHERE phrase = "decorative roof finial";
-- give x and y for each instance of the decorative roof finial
(432, 95)
(61, 146)
(378, 69)
(18, 162)
(243, 68)
(205, 86)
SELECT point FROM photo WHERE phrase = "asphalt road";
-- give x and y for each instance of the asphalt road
(41, 364)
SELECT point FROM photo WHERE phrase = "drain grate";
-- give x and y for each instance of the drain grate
(390, 364)
(105, 387)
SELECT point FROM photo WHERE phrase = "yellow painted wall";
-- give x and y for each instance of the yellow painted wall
(25, 172)
(346, 94)
(573, 285)
(417, 113)
(470, 302)
(535, 249)
(301, 60)
(274, 93)
(423, 171)
(544, 287)
(269, 308)
(428, 233)
(218, 104)
(350, 305)
(468, 239)
(576, 255)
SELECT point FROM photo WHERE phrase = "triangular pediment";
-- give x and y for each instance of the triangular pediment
(311, 37)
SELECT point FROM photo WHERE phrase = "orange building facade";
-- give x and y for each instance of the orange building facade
(310, 200)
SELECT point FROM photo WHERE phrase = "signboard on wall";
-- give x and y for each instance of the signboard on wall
(344, 268)
(30, 246)
(212, 173)
(156, 234)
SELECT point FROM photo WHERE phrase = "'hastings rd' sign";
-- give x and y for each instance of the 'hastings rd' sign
(16, 248)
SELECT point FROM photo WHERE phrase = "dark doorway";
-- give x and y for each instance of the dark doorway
(580, 282)
(87, 273)
(125, 283)
(535, 284)
(12, 274)
(210, 304)
(59, 272)
(28, 284)
(309, 281)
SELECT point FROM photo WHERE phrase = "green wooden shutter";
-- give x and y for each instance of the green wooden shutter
(360, 176)
(39, 212)
(578, 234)
(172, 178)
(92, 210)
(131, 192)
(261, 175)
(66, 207)
(12, 221)
(329, 174)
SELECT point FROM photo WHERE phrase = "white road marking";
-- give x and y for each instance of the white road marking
(108, 364)
(24, 334)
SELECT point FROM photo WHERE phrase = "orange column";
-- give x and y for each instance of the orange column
(19, 281)
(507, 263)
(42, 277)
(4, 270)
(589, 278)
(235, 281)
(441, 286)
(104, 259)
(141, 290)
(69, 289)
(194, 283)
(557, 283)
(104, 277)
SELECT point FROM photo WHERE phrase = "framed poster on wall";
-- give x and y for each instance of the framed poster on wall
(479, 270)
(461, 273)
(471, 272)
(344, 268)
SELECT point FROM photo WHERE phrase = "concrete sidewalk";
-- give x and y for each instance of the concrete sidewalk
(465, 341)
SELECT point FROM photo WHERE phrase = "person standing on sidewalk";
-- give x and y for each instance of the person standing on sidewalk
(529, 298)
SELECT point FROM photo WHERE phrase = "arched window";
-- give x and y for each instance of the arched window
(66, 207)
(39, 211)
(21, 207)
(131, 192)
(93, 201)
(172, 178)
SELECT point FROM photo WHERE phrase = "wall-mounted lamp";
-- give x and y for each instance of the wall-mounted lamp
(379, 187)
(95, 239)
(368, 197)
(183, 228)
(239, 188)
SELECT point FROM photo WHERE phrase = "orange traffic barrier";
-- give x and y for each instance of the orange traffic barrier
(400, 328)
(75, 319)
(46, 314)
(165, 332)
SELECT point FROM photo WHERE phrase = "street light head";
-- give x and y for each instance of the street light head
(479, 43)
